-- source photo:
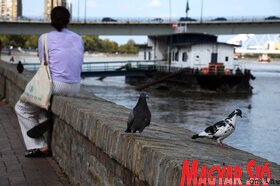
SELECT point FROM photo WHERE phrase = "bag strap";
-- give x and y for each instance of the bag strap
(45, 49)
(45, 61)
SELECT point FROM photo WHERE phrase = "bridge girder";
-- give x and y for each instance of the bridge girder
(144, 29)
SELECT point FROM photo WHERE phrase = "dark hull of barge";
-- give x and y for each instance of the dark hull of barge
(195, 82)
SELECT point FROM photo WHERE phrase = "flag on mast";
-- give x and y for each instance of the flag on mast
(187, 8)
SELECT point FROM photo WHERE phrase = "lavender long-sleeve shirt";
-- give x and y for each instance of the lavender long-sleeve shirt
(66, 55)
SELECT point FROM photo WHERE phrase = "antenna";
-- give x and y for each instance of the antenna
(201, 15)
(170, 11)
(187, 8)
(78, 10)
(85, 11)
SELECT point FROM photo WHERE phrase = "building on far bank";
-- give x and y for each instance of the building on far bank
(50, 4)
(10, 9)
(277, 45)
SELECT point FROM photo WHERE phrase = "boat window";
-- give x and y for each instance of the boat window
(176, 56)
(226, 59)
(145, 57)
(184, 57)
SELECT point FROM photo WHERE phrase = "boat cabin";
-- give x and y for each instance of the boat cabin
(193, 50)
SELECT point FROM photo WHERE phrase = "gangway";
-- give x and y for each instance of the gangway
(110, 68)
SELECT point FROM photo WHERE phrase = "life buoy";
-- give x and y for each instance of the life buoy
(205, 70)
(227, 71)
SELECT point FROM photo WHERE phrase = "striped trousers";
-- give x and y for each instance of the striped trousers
(30, 115)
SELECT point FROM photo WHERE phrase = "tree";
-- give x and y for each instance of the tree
(109, 46)
(24, 41)
(31, 41)
(91, 43)
(4, 39)
(129, 47)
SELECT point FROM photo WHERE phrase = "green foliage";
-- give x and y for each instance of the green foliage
(24, 41)
(4, 39)
(108, 46)
(274, 55)
(129, 48)
(31, 42)
(91, 43)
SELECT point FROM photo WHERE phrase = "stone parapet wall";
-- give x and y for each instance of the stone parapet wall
(90, 145)
(89, 142)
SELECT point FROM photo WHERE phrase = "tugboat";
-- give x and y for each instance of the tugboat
(194, 62)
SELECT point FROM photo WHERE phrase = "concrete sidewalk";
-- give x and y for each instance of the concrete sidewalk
(15, 169)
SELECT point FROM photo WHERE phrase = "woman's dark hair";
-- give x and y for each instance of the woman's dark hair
(60, 17)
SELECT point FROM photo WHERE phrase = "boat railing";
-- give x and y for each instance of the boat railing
(214, 70)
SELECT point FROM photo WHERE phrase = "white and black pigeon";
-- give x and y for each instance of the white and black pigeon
(221, 129)
(140, 116)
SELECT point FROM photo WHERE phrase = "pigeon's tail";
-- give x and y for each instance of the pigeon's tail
(128, 130)
(196, 136)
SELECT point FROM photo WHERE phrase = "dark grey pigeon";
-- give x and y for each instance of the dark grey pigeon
(140, 116)
(221, 129)
(20, 67)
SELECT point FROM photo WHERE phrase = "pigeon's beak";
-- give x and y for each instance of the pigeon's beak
(240, 115)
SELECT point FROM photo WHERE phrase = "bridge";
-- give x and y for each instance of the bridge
(134, 27)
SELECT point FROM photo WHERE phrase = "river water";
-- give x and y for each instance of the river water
(257, 132)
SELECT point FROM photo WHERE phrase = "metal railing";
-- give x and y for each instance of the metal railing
(148, 20)
(236, 70)
(106, 65)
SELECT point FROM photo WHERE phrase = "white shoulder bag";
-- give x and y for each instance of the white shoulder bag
(39, 90)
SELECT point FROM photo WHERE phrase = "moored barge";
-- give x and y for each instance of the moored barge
(193, 62)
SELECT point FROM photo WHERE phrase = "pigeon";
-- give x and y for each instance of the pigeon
(20, 67)
(140, 116)
(221, 129)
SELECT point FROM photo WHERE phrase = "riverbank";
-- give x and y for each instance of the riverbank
(86, 54)
(88, 57)
(254, 59)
